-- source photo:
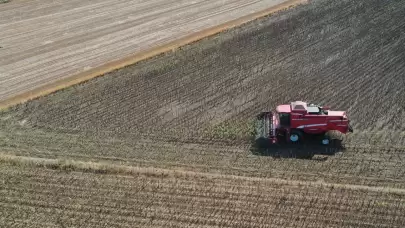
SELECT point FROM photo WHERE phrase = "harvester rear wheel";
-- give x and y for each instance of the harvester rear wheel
(326, 140)
(334, 138)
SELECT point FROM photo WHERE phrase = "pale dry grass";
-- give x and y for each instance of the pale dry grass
(108, 168)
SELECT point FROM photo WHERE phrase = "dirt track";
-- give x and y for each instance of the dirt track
(45, 41)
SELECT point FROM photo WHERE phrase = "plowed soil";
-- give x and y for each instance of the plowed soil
(191, 111)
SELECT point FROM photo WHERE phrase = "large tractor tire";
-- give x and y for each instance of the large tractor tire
(333, 139)
(296, 137)
(262, 130)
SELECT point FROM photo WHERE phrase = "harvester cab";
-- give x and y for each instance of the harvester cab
(296, 121)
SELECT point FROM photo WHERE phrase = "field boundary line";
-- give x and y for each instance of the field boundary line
(143, 55)
(124, 170)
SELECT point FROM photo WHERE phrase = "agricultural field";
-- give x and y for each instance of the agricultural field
(168, 142)
(47, 43)
(168, 198)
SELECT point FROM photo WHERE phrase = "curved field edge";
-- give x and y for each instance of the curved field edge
(145, 55)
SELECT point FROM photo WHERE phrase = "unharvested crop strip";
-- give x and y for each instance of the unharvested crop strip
(171, 46)
(106, 168)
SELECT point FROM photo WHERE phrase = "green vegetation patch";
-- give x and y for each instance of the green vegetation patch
(231, 130)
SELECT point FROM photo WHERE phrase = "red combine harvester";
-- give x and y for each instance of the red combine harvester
(294, 122)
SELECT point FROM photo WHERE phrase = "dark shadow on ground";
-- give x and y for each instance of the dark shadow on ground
(306, 150)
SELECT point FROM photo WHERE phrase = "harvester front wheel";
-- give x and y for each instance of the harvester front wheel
(296, 136)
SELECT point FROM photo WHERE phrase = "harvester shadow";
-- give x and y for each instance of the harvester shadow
(307, 150)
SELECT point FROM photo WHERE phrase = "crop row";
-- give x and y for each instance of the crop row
(187, 201)
(191, 110)
(325, 53)
(366, 164)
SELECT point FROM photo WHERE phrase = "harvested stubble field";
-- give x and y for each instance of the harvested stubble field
(48, 44)
(191, 110)
(167, 198)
